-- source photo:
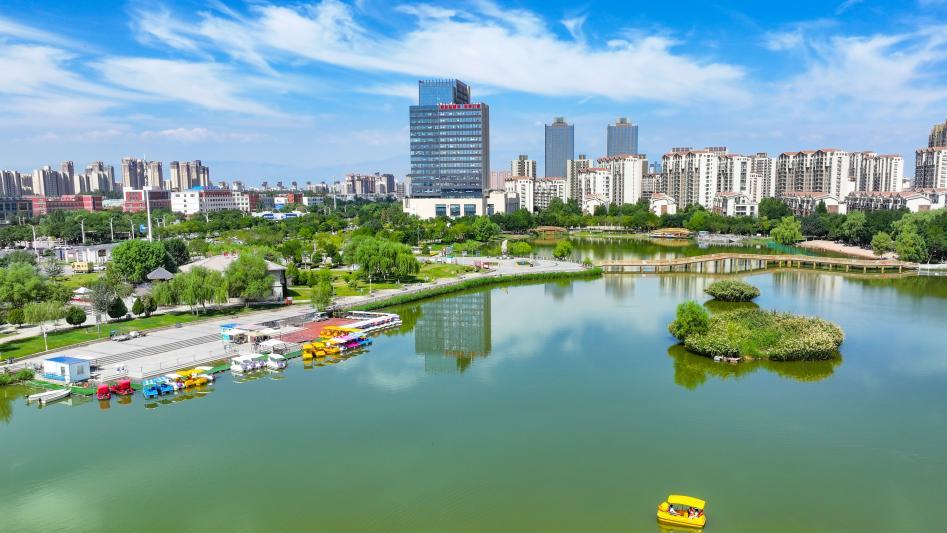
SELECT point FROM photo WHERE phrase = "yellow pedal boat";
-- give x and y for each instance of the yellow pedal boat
(675, 511)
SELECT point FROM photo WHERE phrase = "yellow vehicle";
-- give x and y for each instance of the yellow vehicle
(319, 349)
(682, 511)
(191, 378)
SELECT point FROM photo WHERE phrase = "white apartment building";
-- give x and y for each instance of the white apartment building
(523, 166)
(10, 184)
(872, 172)
(627, 173)
(545, 189)
(805, 202)
(930, 170)
(523, 187)
(193, 201)
(823, 171)
(573, 168)
(595, 182)
(734, 173)
(691, 176)
(735, 204)
(938, 136)
(765, 169)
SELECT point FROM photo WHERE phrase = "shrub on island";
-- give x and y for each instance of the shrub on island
(759, 334)
(732, 291)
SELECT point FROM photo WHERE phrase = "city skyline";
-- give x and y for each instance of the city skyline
(306, 99)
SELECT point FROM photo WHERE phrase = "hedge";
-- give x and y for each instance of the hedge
(732, 291)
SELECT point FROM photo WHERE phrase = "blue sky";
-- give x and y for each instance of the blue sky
(311, 90)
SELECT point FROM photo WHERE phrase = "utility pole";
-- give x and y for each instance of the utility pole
(112, 228)
(131, 225)
(82, 228)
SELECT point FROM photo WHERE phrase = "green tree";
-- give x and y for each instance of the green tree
(699, 221)
(691, 318)
(75, 315)
(485, 229)
(117, 308)
(40, 313)
(177, 251)
(18, 256)
(787, 231)
(773, 209)
(882, 243)
(322, 291)
(15, 317)
(20, 284)
(562, 250)
(134, 259)
(52, 267)
(137, 307)
(105, 290)
(910, 246)
(520, 249)
(149, 304)
(248, 278)
(853, 229)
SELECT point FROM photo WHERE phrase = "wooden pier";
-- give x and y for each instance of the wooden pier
(731, 263)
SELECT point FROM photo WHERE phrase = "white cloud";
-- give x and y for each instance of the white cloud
(193, 135)
(507, 49)
(846, 5)
(208, 85)
(401, 90)
(869, 76)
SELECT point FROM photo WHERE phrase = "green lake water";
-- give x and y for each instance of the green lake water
(541, 407)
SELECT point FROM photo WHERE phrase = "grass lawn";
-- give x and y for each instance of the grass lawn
(58, 339)
(429, 271)
(79, 280)
(442, 270)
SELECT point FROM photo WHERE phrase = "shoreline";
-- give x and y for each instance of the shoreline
(846, 249)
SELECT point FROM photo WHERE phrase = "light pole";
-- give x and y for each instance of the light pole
(33, 244)
(82, 228)
(131, 226)
(112, 229)
(146, 191)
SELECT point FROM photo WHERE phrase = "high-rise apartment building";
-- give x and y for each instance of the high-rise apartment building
(872, 172)
(765, 168)
(498, 179)
(691, 176)
(938, 136)
(523, 188)
(450, 151)
(627, 172)
(100, 177)
(823, 171)
(186, 175)
(734, 173)
(133, 173)
(560, 147)
(154, 177)
(622, 138)
(545, 190)
(573, 168)
(11, 184)
(49, 182)
(930, 170)
(523, 166)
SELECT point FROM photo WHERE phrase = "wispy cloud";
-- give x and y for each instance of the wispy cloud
(508, 49)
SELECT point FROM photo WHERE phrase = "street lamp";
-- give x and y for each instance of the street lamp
(33, 244)
(112, 229)
(82, 229)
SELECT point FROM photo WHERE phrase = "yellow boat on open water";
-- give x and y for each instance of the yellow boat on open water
(683, 511)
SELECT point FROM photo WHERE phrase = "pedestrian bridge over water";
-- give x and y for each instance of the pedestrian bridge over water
(729, 263)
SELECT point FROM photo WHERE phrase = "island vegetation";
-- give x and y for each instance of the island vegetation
(755, 334)
(732, 291)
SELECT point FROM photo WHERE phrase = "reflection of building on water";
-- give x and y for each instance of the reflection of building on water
(810, 284)
(684, 285)
(559, 289)
(451, 332)
(620, 287)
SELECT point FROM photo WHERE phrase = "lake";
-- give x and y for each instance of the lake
(541, 407)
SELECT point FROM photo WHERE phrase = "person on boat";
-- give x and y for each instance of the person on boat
(672, 511)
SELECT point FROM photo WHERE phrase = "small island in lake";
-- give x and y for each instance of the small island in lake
(755, 334)
(732, 291)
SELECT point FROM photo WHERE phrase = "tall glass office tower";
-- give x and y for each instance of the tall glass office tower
(450, 142)
(560, 147)
(622, 138)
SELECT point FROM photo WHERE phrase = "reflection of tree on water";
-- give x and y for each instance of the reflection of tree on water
(716, 306)
(558, 289)
(452, 331)
(692, 370)
(620, 287)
